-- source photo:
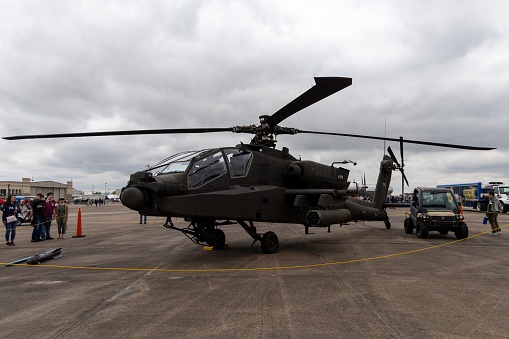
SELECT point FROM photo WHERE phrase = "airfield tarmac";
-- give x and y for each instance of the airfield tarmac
(125, 280)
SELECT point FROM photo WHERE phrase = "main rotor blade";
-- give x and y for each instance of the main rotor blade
(324, 87)
(429, 143)
(110, 133)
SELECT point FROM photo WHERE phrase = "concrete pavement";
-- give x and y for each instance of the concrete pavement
(126, 280)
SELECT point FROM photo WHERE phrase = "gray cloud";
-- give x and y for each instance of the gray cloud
(432, 71)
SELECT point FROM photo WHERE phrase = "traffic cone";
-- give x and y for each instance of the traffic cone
(78, 226)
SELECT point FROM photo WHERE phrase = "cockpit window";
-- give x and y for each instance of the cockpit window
(176, 167)
(206, 170)
(176, 163)
(239, 161)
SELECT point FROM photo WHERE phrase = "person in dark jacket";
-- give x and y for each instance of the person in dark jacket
(38, 205)
(10, 211)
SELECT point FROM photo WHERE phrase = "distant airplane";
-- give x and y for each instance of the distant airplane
(367, 190)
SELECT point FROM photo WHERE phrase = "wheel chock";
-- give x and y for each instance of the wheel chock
(213, 248)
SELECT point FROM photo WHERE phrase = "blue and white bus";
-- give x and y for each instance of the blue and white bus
(473, 194)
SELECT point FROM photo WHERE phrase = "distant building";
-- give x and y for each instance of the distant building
(27, 187)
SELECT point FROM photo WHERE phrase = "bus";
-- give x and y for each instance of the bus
(474, 194)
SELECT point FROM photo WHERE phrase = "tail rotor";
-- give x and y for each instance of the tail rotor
(397, 166)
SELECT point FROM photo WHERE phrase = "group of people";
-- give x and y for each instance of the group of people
(44, 211)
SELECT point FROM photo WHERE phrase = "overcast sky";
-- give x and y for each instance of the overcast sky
(425, 70)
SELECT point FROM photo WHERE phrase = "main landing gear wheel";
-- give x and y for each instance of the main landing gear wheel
(270, 243)
(218, 238)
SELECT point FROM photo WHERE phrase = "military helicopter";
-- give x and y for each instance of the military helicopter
(255, 182)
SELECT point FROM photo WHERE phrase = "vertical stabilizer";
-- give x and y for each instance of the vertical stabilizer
(383, 182)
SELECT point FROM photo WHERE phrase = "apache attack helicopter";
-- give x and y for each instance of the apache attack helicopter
(255, 182)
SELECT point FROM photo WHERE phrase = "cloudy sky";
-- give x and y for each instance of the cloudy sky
(425, 70)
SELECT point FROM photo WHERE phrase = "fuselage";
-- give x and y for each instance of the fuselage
(244, 182)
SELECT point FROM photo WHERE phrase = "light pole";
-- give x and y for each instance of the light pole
(105, 192)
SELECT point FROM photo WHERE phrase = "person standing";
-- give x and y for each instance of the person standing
(49, 215)
(38, 205)
(143, 217)
(62, 215)
(492, 213)
(10, 219)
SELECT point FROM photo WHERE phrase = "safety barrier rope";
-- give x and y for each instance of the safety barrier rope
(241, 269)
(48, 221)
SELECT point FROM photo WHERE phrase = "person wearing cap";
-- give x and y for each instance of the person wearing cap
(62, 214)
(38, 205)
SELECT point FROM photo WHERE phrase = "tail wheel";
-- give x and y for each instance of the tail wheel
(387, 224)
(270, 243)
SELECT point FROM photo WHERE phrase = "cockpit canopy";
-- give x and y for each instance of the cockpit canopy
(206, 165)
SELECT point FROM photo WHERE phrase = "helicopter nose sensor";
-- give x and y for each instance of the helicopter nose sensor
(133, 198)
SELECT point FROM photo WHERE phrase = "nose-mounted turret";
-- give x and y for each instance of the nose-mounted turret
(143, 189)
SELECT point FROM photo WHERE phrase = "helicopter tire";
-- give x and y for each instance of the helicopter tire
(270, 243)
(218, 238)
(408, 226)
(461, 232)
(422, 230)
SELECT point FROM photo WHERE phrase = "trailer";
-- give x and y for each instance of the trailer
(474, 194)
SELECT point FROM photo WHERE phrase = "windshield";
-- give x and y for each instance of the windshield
(176, 167)
(439, 201)
(504, 190)
(206, 170)
(177, 163)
